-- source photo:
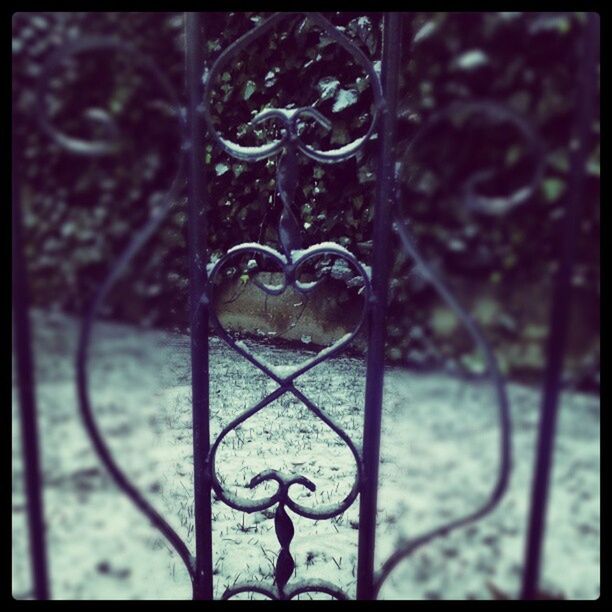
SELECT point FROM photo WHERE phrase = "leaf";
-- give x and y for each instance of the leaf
(553, 188)
(344, 99)
(559, 160)
(471, 59)
(474, 363)
(221, 169)
(248, 90)
(425, 32)
(550, 23)
(339, 135)
(328, 86)
(513, 155)
(362, 83)
(592, 165)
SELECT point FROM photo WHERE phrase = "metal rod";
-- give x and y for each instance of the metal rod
(377, 313)
(559, 318)
(203, 584)
(27, 399)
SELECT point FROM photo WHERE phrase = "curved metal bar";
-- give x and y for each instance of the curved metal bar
(249, 587)
(248, 505)
(501, 114)
(235, 502)
(316, 587)
(504, 415)
(289, 118)
(111, 144)
(379, 100)
(94, 149)
(290, 262)
(331, 510)
(489, 205)
(298, 588)
(290, 271)
(85, 406)
(233, 149)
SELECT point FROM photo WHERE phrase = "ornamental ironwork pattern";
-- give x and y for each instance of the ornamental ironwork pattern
(291, 259)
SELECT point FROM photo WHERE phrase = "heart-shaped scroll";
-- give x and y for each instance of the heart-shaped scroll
(290, 268)
(503, 476)
(109, 143)
(290, 124)
(291, 273)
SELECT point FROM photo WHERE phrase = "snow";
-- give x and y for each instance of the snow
(303, 253)
(287, 370)
(270, 78)
(260, 247)
(244, 152)
(307, 286)
(287, 113)
(438, 455)
(213, 262)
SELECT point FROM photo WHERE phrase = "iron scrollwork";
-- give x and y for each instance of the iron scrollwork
(110, 144)
(290, 262)
(288, 146)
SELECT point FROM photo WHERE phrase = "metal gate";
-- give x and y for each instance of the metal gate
(291, 259)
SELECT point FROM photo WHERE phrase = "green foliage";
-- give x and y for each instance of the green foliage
(80, 213)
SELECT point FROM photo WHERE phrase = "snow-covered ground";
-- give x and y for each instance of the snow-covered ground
(439, 445)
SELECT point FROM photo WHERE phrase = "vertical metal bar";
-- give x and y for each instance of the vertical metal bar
(377, 313)
(27, 400)
(585, 83)
(203, 587)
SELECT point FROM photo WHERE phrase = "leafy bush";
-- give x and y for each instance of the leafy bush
(81, 212)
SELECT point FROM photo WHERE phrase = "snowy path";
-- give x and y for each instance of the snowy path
(438, 461)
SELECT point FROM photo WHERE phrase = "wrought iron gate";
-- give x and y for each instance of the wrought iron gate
(290, 259)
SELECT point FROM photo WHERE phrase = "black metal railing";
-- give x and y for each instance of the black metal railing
(291, 261)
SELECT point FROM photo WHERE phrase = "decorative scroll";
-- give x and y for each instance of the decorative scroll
(110, 144)
(289, 262)
(288, 233)
(495, 114)
(473, 200)
(503, 476)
